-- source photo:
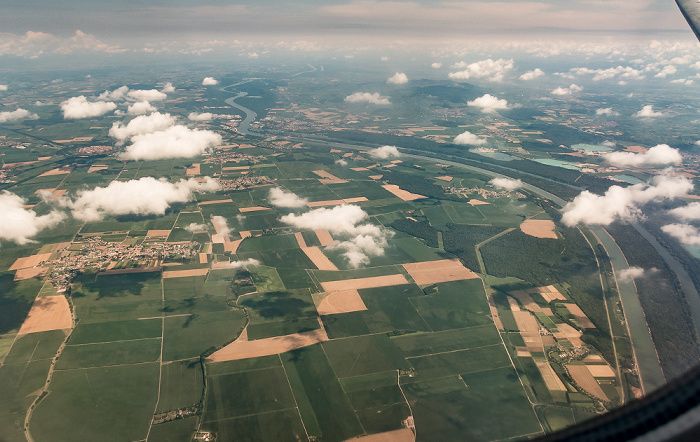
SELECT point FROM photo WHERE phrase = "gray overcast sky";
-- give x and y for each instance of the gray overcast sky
(137, 24)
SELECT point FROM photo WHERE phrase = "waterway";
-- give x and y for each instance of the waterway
(647, 359)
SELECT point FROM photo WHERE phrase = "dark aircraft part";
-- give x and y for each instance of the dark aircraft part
(691, 12)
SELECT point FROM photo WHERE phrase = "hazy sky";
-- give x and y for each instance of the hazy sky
(32, 26)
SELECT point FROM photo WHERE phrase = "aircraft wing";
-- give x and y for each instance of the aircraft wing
(691, 12)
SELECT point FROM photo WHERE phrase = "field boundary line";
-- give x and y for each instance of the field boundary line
(452, 351)
(252, 415)
(293, 395)
(109, 342)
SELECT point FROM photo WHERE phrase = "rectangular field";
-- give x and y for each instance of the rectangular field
(184, 273)
(432, 272)
(48, 313)
(583, 377)
(364, 283)
(320, 260)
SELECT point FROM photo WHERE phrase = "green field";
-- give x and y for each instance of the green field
(454, 305)
(181, 385)
(82, 404)
(363, 355)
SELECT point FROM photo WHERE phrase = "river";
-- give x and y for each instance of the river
(647, 359)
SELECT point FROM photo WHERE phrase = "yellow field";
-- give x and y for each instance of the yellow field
(345, 301)
(432, 272)
(364, 283)
(48, 313)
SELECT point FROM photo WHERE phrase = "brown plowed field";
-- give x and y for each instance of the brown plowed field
(539, 228)
(48, 313)
(184, 273)
(324, 237)
(364, 283)
(345, 301)
(319, 259)
(403, 194)
(550, 377)
(583, 377)
(444, 270)
(244, 349)
(30, 261)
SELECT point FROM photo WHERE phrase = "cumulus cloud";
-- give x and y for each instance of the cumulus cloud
(282, 198)
(168, 88)
(194, 227)
(648, 112)
(494, 70)
(488, 103)
(630, 273)
(685, 233)
(608, 111)
(531, 75)
(624, 72)
(436, 65)
(385, 152)
(145, 196)
(209, 81)
(666, 71)
(609, 143)
(567, 90)
(341, 162)
(146, 95)
(242, 264)
(659, 155)
(398, 78)
(366, 97)
(221, 225)
(468, 139)
(17, 115)
(358, 240)
(141, 125)
(173, 142)
(688, 212)
(79, 107)
(622, 202)
(205, 116)
(117, 94)
(3, 87)
(18, 224)
(506, 183)
(141, 108)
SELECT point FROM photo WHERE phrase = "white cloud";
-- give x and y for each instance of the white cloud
(79, 107)
(688, 212)
(531, 75)
(609, 143)
(209, 81)
(567, 90)
(684, 81)
(467, 138)
(488, 103)
(3, 87)
(630, 273)
(194, 227)
(168, 88)
(624, 72)
(221, 225)
(173, 142)
(506, 183)
(385, 152)
(205, 116)
(146, 196)
(684, 233)
(18, 224)
(117, 94)
(495, 70)
(146, 95)
(661, 154)
(242, 264)
(17, 115)
(436, 65)
(606, 111)
(341, 162)
(144, 124)
(366, 97)
(359, 241)
(648, 112)
(666, 71)
(622, 202)
(141, 108)
(281, 198)
(398, 78)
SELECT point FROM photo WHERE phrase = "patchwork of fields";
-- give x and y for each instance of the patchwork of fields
(258, 324)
